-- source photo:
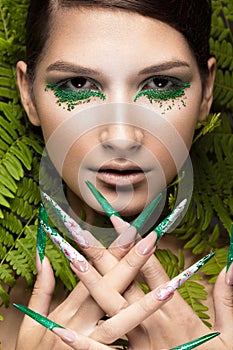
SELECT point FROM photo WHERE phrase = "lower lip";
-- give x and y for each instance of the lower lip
(118, 179)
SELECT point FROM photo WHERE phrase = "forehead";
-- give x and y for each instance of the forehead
(101, 34)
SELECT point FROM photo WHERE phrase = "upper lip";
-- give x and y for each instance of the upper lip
(120, 167)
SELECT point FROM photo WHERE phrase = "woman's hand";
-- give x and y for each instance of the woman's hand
(79, 311)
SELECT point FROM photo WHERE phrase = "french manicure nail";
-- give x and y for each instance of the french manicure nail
(109, 210)
(147, 244)
(145, 214)
(65, 334)
(165, 290)
(72, 254)
(195, 343)
(166, 224)
(37, 317)
(41, 235)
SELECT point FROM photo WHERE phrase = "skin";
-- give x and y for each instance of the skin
(117, 69)
(118, 64)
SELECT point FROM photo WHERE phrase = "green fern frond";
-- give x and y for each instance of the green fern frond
(22, 258)
(193, 293)
(60, 265)
(216, 264)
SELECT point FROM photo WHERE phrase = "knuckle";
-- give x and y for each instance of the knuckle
(119, 308)
(109, 332)
(131, 261)
(147, 305)
(150, 272)
(97, 255)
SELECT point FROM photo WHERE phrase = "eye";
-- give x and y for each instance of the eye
(160, 83)
(78, 83)
(76, 91)
(162, 88)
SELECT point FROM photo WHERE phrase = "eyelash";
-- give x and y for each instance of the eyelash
(72, 97)
(173, 89)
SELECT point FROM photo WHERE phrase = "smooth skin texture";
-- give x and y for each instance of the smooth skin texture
(119, 68)
(86, 314)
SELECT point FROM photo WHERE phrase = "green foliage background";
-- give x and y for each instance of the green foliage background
(209, 218)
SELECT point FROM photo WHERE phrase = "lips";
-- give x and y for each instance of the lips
(118, 174)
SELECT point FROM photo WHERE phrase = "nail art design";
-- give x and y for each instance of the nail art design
(165, 225)
(145, 214)
(164, 291)
(195, 343)
(38, 318)
(41, 235)
(230, 253)
(72, 226)
(72, 254)
(109, 210)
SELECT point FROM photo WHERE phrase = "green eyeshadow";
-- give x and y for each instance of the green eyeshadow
(73, 98)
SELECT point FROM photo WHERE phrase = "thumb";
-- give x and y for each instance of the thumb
(44, 287)
(223, 303)
(39, 302)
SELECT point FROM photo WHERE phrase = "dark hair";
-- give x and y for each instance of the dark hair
(192, 18)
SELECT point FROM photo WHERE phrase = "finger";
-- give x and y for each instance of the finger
(132, 316)
(223, 303)
(127, 268)
(77, 341)
(43, 289)
(153, 273)
(40, 302)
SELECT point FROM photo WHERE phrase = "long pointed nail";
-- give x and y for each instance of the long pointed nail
(164, 291)
(165, 225)
(38, 318)
(65, 334)
(72, 226)
(195, 343)
(147, 244)
(109, 210)
(145, 214)
(230, 253)
(72, 254)
(41, 235)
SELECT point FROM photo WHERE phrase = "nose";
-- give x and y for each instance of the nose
(121, 139)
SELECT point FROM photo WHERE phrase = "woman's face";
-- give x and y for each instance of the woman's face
(116, 57)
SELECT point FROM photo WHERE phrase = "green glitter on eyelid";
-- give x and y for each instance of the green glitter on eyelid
(164, 95)
(73, 98)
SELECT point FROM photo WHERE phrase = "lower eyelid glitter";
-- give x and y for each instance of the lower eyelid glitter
(73, 98)
(163, 95)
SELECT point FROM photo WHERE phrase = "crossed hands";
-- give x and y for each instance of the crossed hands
(158, 320)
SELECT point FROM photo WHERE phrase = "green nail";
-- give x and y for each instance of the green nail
(37, 317)
(41, 235)
(145, 214)
(195, 343)
(230, 253)
(109, 210)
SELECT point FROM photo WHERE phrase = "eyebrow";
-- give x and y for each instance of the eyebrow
(164, 66)
(67, 67)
